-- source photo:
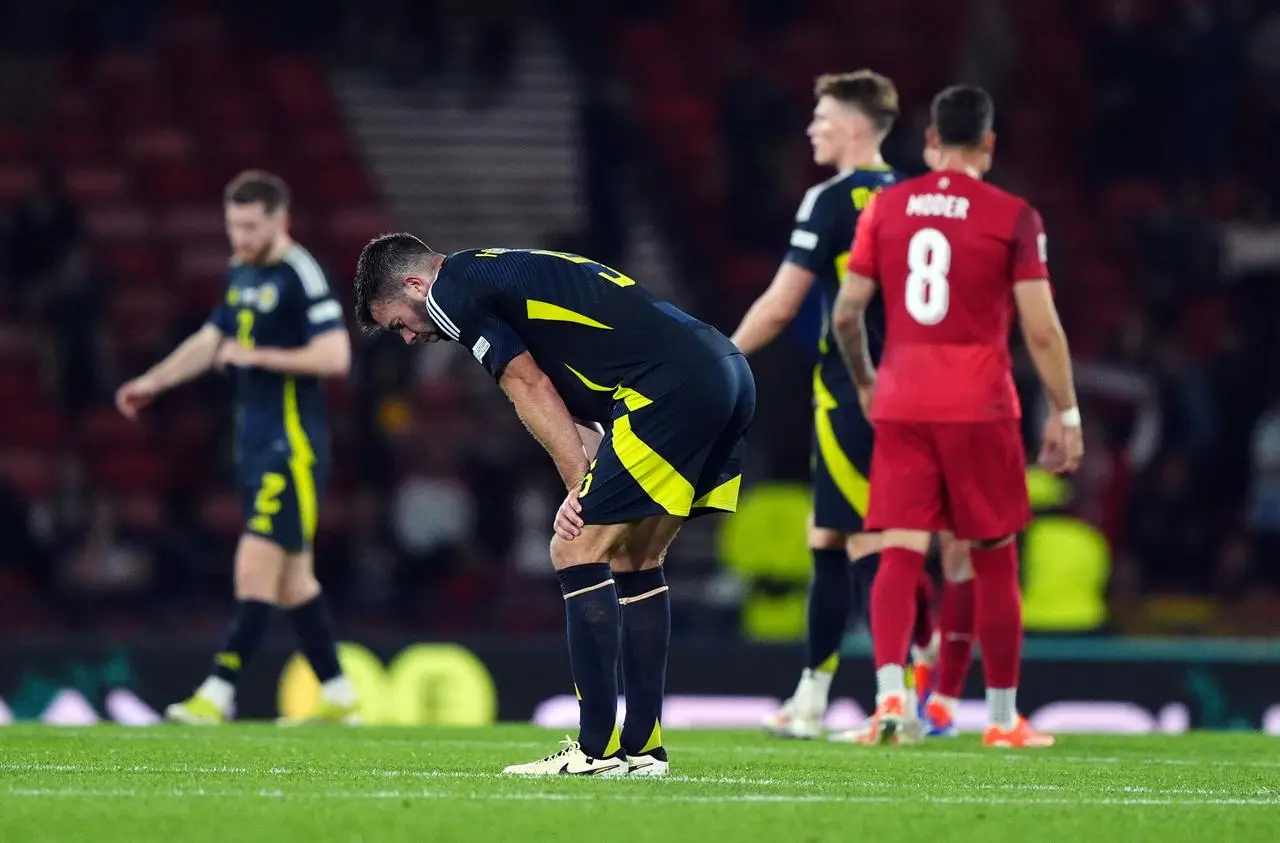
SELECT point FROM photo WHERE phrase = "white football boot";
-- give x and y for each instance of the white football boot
(571, 761)
(648, 765)
(801, 717)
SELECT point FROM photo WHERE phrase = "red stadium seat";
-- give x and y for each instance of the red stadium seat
(37, 427)
(126, 471)
(102, 428)
(222, 513)
(75, 146)
(111, 224)
(97, 185)
(201, 224)
(138, 263)
(159, 144)
(228, 111)
(1132, 199)
(16, 182)
(171, 183)
(115, 70)
(15, 145)
(29, 472)
(364, 222)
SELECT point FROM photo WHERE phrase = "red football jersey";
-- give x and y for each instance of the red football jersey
(946, 250)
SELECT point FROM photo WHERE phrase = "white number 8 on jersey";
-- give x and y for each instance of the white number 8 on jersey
(928, 291)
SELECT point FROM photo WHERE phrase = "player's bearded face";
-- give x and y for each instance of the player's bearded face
(406, 316)
(253, 232)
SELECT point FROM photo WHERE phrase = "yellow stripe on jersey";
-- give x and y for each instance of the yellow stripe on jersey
(590, 384)
(723, 497)
(554, 312)
(634, 400)
(301, 460)
(659, 479)
(852, 485)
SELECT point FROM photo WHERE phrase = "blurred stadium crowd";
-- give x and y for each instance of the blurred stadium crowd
(1143, 130)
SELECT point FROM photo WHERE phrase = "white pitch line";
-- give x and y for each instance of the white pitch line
(349, 736)
(596, 795)
(708, 780)
(119, 768)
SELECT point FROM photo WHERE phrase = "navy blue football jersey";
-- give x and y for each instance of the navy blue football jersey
(820, 242)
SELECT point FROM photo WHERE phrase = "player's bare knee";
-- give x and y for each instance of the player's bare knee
(259, 568)
(915, 540)
(596, 543)
(297, 587)
(820, 538)
(862, 544)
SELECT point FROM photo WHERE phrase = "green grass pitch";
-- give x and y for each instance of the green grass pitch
(246, 783)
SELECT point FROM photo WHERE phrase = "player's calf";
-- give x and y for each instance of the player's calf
(308, 611)
(593, 630)
(259, 563)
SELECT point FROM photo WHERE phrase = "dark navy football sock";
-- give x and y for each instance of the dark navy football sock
(316, 637)
(593, 628)
(646, 640)
(864, 577)
(829, 599)
(243, 638)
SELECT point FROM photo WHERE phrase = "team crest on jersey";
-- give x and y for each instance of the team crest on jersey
(268, 297)
(264, 298)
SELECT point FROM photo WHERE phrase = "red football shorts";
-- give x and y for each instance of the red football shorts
(968, 477)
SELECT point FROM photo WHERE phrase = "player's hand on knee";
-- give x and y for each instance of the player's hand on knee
(568, 525)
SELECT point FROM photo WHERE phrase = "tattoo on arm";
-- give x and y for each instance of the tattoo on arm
(849, 326)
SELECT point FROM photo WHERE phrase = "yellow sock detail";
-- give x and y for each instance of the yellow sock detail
(615, 744)
(829, 664)
(231, 661)
(576, 692)
(655, 740)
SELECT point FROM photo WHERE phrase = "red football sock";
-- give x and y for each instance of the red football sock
(957, 638)
(999, 613)
(926, 621)
(893, 604)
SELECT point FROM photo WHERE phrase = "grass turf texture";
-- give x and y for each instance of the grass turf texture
(248, 783)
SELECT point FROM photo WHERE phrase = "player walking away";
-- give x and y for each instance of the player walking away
(281, 330)
(566, 338)
(853, 114)
(952, 256)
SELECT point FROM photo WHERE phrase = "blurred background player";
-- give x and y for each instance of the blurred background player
(281, 331)
(952, 255)
(571, 341)
(853, 114)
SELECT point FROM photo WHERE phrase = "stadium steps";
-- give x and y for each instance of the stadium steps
(507, 175)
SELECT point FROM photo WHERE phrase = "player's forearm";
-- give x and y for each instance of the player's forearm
(761, 326)
(192, 358)
(1052, 359)
(543, 412)
(326, 356)
(850, 327)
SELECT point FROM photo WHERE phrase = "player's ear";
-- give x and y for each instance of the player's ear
(415, 286)
(931, 139)
(989, 143)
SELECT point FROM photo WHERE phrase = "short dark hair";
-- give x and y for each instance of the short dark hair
(871, 93)
(383, 264)
(963, 115)
(253, 186)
